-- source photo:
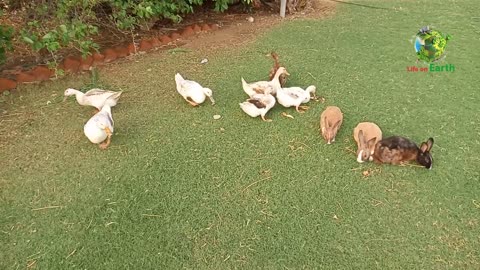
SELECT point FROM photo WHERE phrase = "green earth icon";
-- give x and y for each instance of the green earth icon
(430, 44)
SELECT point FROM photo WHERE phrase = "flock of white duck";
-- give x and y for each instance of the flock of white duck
(263, 95)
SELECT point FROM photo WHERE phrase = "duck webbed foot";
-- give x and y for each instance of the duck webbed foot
(265, 119)
(301, 109)
(104, 145)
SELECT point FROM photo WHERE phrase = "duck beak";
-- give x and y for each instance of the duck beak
(286, 72)
(64, 98)
(212, 100)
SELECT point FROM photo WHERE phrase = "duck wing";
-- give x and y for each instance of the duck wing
(296, 93)
(98, 92)
(257, 102)
(106, 118)
(185, 87)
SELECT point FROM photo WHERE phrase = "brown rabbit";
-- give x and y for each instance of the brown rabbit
(366, 134)
(330, 121)
(398, 150)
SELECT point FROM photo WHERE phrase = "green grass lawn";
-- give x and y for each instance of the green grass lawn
(177, 189)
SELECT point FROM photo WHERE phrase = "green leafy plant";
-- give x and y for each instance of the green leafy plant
(222, 5)
(75, 33)
(6, 34)
(58, 24)
(95, 82)
(129, 14)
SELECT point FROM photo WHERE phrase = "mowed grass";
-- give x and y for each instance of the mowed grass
(177, 189)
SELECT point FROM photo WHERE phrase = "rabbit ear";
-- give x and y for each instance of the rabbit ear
(371, 142)
(423, 147)
(327, 123)
(323, 128)
(336, 124)
(429, 144)
(361, 139)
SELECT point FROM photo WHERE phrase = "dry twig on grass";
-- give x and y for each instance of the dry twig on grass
(256, 182)
(46, 207)
(71, 253)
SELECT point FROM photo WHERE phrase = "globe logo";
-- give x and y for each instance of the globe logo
(430, 44)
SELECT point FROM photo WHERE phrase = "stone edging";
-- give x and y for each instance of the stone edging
(76, 64)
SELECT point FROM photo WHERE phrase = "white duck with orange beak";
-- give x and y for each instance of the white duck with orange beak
(192, 91)
(99, 128)
(95, 97)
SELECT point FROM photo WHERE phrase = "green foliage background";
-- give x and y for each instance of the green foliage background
(52, 25)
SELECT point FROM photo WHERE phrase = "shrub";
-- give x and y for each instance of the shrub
(57, 24)
(6, 33)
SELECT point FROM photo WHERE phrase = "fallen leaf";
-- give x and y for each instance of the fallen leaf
(284, 114)
(217, 116)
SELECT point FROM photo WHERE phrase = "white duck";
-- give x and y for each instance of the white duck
(95, 97)
(258, 105)
(294, 96)
(192, 91)
(264, 87)
(99, 128)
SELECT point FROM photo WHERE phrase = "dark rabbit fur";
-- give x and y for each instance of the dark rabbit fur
(397, 150)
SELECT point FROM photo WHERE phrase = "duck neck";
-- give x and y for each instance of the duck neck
(106, 108)
(79, 96)
(276, 79)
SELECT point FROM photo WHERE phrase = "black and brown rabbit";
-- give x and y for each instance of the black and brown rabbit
(399, 150)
